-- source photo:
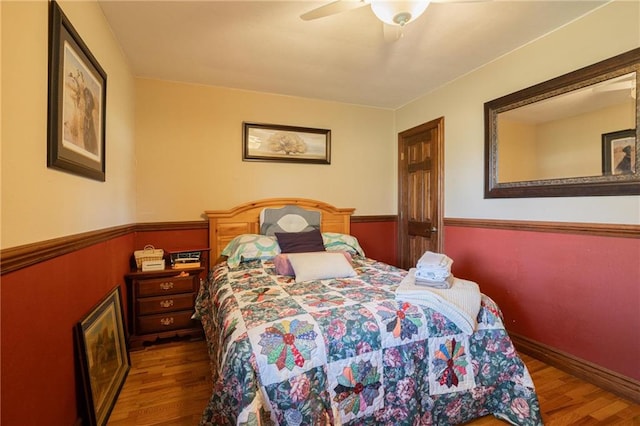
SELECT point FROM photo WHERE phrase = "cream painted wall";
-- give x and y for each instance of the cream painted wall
(569, 147)
(189, 150)
(574, 145)
(511, 166)
(39, 203)
(610, 30)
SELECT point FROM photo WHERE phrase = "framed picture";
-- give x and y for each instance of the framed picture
(77, 100)
(103, 356)
(619, 152)
(272, 142)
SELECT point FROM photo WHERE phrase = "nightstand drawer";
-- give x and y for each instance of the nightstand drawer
(166, 303)
(167, 285)
(164, 322)
(161, 304)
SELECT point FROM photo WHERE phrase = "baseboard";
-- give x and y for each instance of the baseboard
(608, 380)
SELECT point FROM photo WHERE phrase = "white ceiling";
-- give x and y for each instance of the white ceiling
(264, 45)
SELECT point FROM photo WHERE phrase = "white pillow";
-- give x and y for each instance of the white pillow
(320, 266)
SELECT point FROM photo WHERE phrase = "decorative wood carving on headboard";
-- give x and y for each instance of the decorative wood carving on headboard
(224, 225)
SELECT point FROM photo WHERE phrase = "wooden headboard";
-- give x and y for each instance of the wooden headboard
(224, 225)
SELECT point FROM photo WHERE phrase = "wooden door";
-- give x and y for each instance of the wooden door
(420, 191)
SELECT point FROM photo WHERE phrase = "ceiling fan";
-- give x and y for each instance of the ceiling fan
(394, 14)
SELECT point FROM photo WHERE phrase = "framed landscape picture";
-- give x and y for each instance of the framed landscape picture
(77, 101)
(104, 360)
(289, 144)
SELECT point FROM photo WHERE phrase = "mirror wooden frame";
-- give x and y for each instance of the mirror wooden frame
(628, 184)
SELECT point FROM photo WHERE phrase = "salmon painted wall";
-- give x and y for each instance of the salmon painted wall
(41, 305)
(378, 239)
(174, 239)
(39, 309)
(576, 293)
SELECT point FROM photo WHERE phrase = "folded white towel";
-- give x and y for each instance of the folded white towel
(431, 260)
(460, 303)
(434, 267)
(446, 283)
(433, 275)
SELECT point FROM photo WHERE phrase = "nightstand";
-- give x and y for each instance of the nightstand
(160, 305)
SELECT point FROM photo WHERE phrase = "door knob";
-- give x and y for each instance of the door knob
(434, 229)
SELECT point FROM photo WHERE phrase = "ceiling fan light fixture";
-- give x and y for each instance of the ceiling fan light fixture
(398, 12)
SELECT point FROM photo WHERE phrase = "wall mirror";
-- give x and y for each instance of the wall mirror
(574, 135)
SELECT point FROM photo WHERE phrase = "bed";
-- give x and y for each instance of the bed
(295, 343)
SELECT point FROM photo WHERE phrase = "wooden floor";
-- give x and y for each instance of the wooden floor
(169, 384)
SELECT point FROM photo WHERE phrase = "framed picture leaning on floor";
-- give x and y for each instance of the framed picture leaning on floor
(104, 360)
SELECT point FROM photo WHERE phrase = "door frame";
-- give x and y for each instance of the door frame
(437, 167)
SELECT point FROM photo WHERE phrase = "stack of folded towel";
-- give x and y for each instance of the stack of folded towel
(460, 303)
(431, 284)
(434, 270)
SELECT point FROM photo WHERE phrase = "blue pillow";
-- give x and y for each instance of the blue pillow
(334, 241)
(250, 246)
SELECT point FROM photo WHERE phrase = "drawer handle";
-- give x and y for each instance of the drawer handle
(166, 321)
(166, 286)
(166, 303)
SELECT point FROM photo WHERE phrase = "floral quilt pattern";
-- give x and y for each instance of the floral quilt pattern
(346, 352)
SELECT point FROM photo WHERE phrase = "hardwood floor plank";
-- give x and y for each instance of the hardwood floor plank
(170, 384)
(611, 409)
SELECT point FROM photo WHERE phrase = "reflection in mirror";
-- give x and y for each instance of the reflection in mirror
(561, 137)
(574, 135)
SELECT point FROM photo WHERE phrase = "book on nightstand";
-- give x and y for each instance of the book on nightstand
(185, 259)
(185, 264)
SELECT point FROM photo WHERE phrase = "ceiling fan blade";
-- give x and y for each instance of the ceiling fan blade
(611, 87)
(333, 8)
(623, 82)
(391, 33)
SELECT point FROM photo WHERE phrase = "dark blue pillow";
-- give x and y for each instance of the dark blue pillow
(300, 242)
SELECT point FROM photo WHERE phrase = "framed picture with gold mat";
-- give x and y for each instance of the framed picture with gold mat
(104, 360)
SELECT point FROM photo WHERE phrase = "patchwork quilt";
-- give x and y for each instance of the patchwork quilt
(346, 352)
